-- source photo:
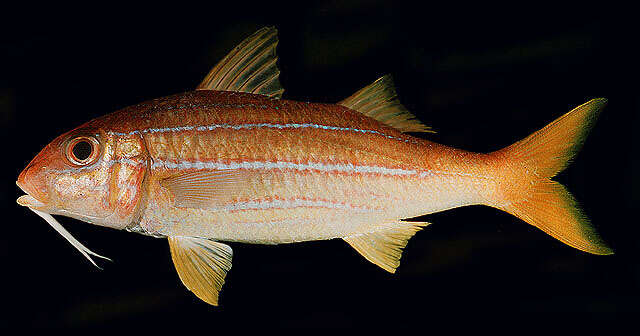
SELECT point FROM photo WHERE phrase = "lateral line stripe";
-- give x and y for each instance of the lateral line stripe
(268, 165)
(317, 166)
(255, 126)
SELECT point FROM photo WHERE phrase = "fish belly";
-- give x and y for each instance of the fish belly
(285, 206)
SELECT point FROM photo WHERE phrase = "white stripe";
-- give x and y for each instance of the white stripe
(255, 126)
(268, 165)
(340, 168)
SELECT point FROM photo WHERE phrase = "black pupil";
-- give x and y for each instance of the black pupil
(82, 150)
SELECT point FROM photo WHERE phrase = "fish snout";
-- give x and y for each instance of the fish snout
(32, 181)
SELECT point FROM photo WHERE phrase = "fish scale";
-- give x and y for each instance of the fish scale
(324, 146)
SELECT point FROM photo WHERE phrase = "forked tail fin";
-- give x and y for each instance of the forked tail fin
(538, 200)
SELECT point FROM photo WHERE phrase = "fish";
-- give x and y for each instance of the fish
(233, 162)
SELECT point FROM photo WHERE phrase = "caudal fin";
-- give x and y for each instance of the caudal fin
(538, 200)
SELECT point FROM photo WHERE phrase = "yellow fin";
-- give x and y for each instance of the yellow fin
(380, 102)
(551, 148)
(250, 67)
(204, 189)
(384, 248)
(537, 199)
(551, 208)
(202, 265)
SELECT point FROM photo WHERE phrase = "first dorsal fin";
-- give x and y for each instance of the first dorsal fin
(250, 67)
(202, 265)
(380, 102)
(384, 247)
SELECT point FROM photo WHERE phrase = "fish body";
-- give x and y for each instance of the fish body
(232, 161)
(305, 171)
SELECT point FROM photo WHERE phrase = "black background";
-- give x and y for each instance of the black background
(483, 77)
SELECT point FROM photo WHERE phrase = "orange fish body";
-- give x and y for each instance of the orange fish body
(290, 171)
(233, 162)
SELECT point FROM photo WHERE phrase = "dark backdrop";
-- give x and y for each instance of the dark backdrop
(483, 77)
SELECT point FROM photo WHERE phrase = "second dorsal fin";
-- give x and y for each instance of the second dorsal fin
(380, 102)
(250, 67)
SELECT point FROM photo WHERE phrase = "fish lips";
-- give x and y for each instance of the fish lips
(28, 200)
(31, 180)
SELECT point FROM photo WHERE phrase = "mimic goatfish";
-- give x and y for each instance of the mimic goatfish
(233, 162)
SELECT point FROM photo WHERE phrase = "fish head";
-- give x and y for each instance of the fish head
(80, 174)
(67, 176)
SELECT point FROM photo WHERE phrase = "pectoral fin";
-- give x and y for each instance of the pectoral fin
(202, 265)
(204, 189)
(384, 248)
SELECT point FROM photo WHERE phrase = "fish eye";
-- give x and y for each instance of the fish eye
(82, 151)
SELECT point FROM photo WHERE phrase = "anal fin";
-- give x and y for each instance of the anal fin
(384, 248)
(201, 264)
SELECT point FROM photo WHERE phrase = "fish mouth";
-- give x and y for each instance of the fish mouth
(29, 201)
(32, 182)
